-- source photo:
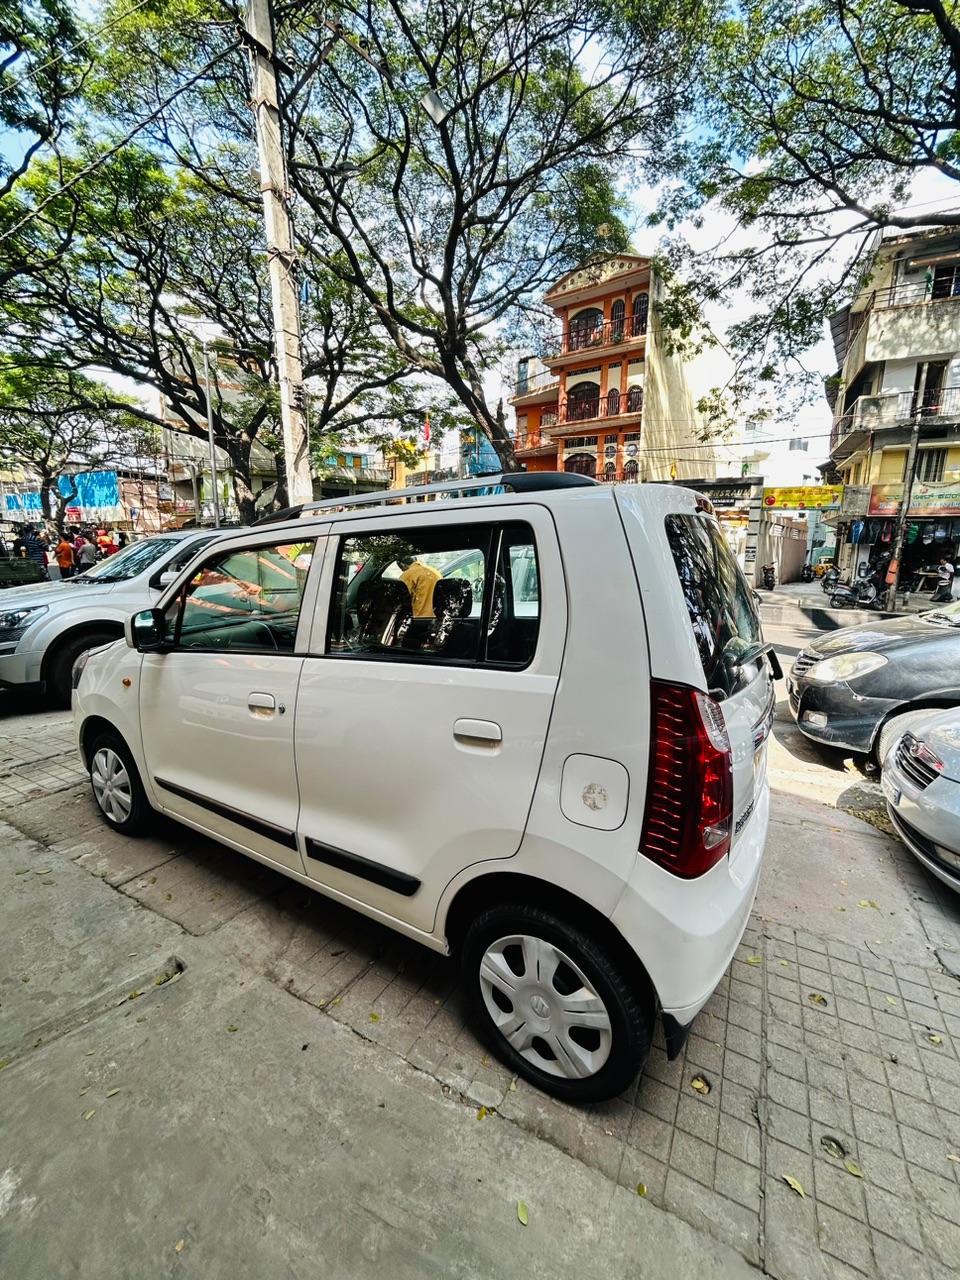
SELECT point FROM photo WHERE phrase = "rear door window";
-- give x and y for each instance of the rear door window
(719, 601)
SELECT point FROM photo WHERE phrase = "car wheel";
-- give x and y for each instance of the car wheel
(60, 672)
(117, 789)
(898, 725)
(554, 1004)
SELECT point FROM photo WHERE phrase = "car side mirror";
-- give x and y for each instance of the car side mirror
(146, 631)
(168, 576)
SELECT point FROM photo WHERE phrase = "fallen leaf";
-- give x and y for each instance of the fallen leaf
(179, 1246)
(522, 1214)
(794, 1185)
(484, 1061)
(112, 1093)
(513, 1085)
(142, 1018)
(954, 1158)
(90, 1053)
(841, 908)
(785, 963)
(86, 1089)
(25, 977)
(891, 1000)
(153, 879)
(853, 1169)
(135, 994)
(48, 882)
(44, 872)
(701, 1085)
(131, 954)
(754, 960)
(816, 998)
(91, 1112)
(338, 1000)
(232, 1028)
(868, 902)
(24, 872)
(481, 1113)
(5, 1062)
(833, 1146)
(935, 1039)
(168, 897)
(641, 1188)
(374, 1017)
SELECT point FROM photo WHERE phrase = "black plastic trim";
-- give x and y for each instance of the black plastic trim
(366, 869)
(261, 828)
(675, 1034)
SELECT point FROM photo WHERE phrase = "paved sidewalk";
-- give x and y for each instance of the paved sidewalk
(831, 1051)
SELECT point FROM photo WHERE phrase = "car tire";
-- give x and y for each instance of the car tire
(896, 726)
(60, 670)
(115, 782)
(556, 1003)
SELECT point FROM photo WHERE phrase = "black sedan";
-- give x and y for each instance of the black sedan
(861, 687)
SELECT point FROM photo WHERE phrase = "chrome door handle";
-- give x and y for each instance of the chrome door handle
(261, 702)
(478, 731)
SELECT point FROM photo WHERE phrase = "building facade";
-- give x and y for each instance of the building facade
(898, 352)
(608, 398)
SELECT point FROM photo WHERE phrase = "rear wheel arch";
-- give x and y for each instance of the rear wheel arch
(507, 887)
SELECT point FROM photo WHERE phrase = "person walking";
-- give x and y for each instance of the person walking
(64, 556)
(86, 556)
(33, 548)
(944, 591)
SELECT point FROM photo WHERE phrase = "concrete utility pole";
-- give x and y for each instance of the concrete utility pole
(909, 475)
(280, 251)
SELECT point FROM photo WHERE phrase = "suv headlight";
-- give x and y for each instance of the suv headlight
(14, 622)
(846, 667)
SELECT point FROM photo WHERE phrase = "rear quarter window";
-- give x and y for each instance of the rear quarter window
(719, 601)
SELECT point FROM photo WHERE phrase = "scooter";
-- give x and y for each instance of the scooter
(865, 593)
(769, 577)
(806, 573)
(830, 580)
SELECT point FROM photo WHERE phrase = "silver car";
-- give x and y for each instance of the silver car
(921, 785)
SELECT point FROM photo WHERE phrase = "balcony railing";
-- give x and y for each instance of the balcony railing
(535, 382)
(586, 337)
(898, 408)
(532, 440)
(912, 295)
(612, 405)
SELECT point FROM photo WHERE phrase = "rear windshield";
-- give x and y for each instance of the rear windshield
(719, 601)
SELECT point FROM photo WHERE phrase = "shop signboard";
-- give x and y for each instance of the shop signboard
(815, 497)
(942, 499)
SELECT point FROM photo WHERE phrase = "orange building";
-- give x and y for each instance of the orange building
(607, 399)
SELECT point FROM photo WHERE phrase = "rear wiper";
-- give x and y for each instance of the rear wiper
(756, 651)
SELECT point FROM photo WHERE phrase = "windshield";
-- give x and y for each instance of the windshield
(946, 617)
(128, 562)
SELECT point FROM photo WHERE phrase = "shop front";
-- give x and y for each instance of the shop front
(932, 531)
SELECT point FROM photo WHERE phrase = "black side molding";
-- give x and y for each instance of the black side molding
(266, 829)
(675, 1034)
(375, 872)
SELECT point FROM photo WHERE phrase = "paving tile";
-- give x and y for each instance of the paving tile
(846, 1238)
(715, 1213)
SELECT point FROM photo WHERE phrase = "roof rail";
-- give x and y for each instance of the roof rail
(515, 481)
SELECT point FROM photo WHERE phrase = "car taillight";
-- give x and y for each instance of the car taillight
(689, 812)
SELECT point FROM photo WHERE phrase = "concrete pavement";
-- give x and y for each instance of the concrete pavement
(217, 1117)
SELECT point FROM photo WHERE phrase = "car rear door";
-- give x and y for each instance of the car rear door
(425, 700)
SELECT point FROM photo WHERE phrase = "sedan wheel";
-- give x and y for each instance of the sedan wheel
(543, 1004)
(111, 785)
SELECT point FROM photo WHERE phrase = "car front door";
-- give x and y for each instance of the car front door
(217, 707)
(425, 700)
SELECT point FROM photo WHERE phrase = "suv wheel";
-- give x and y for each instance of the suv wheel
(60, 672)
(116, 785)
(554, 1004)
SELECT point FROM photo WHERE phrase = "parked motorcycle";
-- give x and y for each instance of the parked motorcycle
(830, 580)
(865, 593)
(806, 573)
(769, 577)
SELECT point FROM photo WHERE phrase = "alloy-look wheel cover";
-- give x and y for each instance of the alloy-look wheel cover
(549, 1011)
(112, 787)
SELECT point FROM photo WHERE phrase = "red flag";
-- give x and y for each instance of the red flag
(426, 430)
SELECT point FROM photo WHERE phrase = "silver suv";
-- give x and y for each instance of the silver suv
(44, 628)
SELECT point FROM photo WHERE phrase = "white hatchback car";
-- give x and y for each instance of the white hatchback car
(526, 722)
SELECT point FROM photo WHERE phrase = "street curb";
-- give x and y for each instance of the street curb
(796, 613)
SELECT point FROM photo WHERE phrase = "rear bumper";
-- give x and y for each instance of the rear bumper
(686, 932)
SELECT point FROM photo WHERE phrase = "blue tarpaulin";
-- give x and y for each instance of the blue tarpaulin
(19, 503)
(95, 489)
